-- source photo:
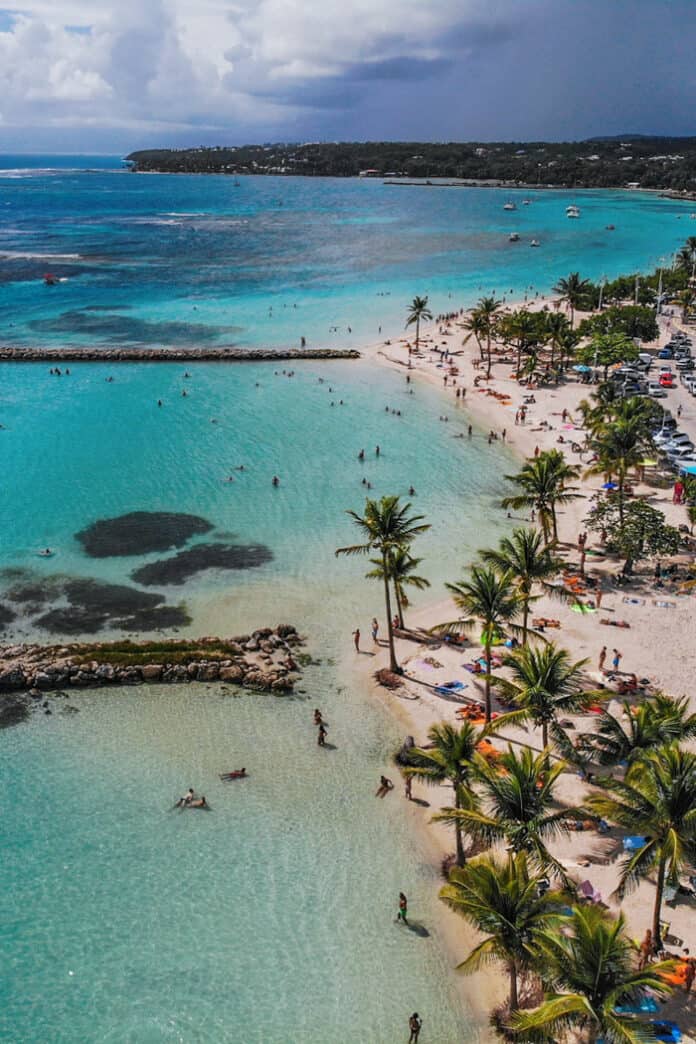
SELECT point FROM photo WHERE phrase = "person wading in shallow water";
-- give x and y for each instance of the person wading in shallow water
(321, 735)
(414, 1025)
(403, 909)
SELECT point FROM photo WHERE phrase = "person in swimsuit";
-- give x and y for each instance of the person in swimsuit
(403, 909)
(414, 1025)
(321, 735)
(235, 774)
(318, 720)
(198, 803)
(186, 799)
(385, 785)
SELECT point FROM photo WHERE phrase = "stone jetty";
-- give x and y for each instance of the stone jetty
(187, 355)
(262, 660)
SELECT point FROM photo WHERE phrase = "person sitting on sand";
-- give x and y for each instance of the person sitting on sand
(385, 785)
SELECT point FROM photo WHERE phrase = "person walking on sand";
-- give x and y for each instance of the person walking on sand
(414, 1025)
(375, 628)
(689, 971)
(647, 948)
(356, 639)
(602, 658)
(598, 595)
(408, 788)
(403, 909)
(321, 735)
(617, 659)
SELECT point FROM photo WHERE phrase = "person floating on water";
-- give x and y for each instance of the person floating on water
(385, 785)
(234, 774)
(198, 803)
(186, 800)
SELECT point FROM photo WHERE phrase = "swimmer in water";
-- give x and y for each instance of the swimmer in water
(276, 480)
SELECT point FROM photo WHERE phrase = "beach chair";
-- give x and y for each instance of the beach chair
(633, 843)
(588, 891)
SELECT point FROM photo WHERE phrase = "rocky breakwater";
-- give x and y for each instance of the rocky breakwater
(167, 354)
(264, 660)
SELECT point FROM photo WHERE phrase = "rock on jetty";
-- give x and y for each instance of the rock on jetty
(189, 355)
(262, 660)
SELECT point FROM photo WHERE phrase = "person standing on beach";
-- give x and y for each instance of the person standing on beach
(617, 659)
(414, 1025)
(321, 735)
(602, 658)
(403, 909)
(408, 788)
(356, 639)
(375, 628)
(598, 595)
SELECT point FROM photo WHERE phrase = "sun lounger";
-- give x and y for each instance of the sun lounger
(665, 605)
(628, 600)
(450, 689)
(644, 1006)
(666, 1030)
(633, 843)
(588, 891)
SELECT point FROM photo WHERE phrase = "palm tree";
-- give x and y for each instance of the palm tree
(386, 526)
(558, 329)
(475, 326)
(502, 900)
(418, 311)
(488, 600)
(488, 308)
(656, 800)
(545, 685)
(543, 483)
(620, 446)
(686, 300)
(573, 292)
(659, 721)
(401, 568)
(529, 563)
(590, 968)
(521, 330)
(684, 260)
(520, 808)
(448, 759)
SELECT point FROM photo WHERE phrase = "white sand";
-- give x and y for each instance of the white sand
(659, 643)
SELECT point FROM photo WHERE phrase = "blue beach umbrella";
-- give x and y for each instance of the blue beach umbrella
(689, 469)
(610, 485)
(579, 368)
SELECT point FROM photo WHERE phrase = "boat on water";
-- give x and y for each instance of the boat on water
(509, 206)
(535, 242)
(610, 228)
(572, 211)
(514, 237)
(50, 280)
(526, 202)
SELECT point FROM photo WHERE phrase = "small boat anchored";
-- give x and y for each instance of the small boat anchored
(509, 206)
(572, 211)
(526, 202)
(514, 237)
(534, 243)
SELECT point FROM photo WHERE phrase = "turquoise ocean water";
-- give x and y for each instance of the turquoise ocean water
(271, 918)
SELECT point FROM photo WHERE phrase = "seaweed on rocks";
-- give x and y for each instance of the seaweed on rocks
(140, 533)
(197, 559)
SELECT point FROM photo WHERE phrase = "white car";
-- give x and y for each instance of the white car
(656, 391)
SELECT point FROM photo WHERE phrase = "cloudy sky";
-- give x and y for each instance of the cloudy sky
(111, 75)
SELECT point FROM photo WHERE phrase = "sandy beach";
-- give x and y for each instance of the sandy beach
(658, 643)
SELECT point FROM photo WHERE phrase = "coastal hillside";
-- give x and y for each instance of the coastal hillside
(638, 161)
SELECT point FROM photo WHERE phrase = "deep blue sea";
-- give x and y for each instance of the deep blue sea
(269, 920)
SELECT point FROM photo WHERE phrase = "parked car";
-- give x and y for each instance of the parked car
(665, 353)
(666, 380)
(685, 365)
(656, 391)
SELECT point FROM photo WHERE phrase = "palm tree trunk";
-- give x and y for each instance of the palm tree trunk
(621, 477)
(514, 1001)
(554, 522)
(393, 665)
(544, 734)
(488, 681)
(572, 315)
(525, 618)
(458, 830)
(417, 332)
(657, 909)
(399, 607)
(488, 353)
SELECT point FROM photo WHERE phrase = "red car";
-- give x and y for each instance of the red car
(666, 380)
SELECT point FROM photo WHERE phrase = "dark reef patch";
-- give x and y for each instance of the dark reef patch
(6, 616)
(197, 559)
(112, 328)
(92, 605)
(140, 533)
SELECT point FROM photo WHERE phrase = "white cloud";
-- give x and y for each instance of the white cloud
(195, 62)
